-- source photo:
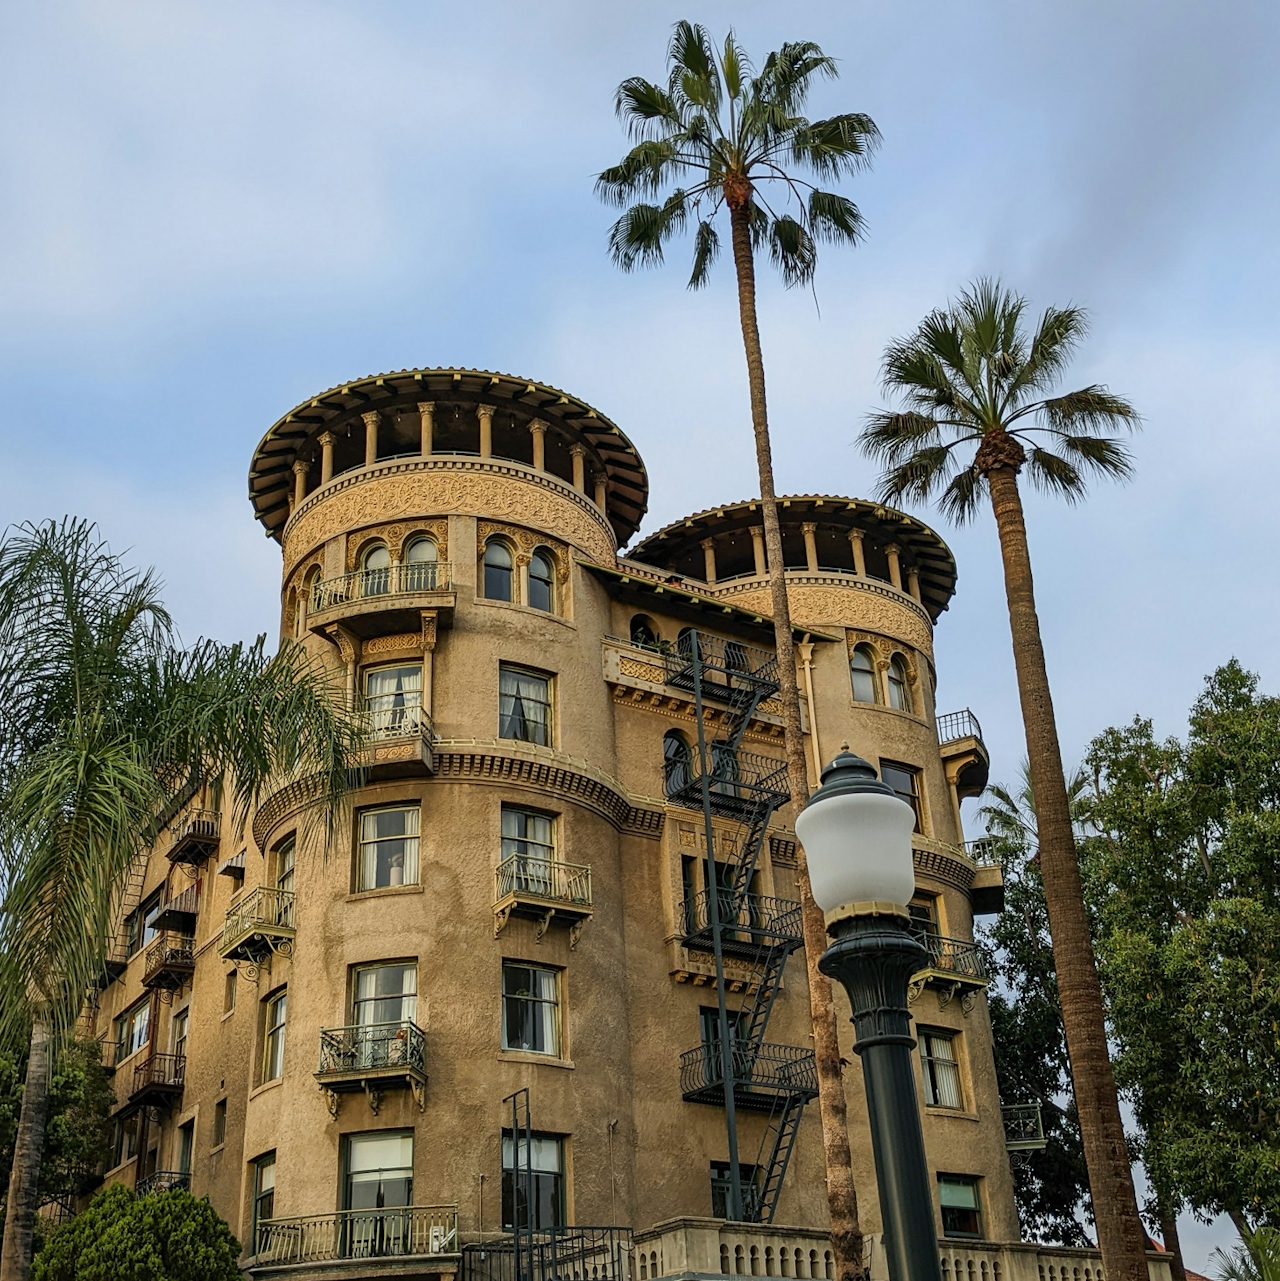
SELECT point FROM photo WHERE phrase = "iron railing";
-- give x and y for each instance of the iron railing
(735, 780)
(553, 1254)
(263, 908)
(385, 718)
(1023, 1126)
(164, 1181)
(568, 883)
(195, 836)
(170, 951)
(985, 851)
(394, 580)
(755, 914)
(954, 955)
(767, 1067)
(160, 1071)
(359, 1234)
(727, 667)
(957, 725)
(369, 1046)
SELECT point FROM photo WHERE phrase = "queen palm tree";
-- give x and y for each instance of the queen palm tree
(721, 137)
(107, 726)
(976, 413)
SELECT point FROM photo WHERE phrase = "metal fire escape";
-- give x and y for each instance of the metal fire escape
(738, 792)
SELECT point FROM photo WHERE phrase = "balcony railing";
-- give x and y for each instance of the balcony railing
(407, 1231)
(953, 726)
(195, 836)
(159, 1074)
(563, 883)
(729, 670)
(371, 584)
(264, 913)
(736, 780)
(165, 1181)
(1023, 1127)
(371, 1047)
(954, 956)
(385, 718)
(771, 1068)
(755, 917)
(170, 961)
(561, 1253)
(985, 851)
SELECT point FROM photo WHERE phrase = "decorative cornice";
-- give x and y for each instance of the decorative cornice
(803, 578)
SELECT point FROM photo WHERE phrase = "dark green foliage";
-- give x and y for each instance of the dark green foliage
(168, 1236)
(78, 1132)
(1183, 878)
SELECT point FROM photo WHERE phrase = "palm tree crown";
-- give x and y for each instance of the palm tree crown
(971, 375)
(724, 131)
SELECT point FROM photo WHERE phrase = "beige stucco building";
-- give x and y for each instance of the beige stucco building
(314, 1029)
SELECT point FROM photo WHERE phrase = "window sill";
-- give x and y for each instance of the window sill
(274, 1084)
(958, 1114)
(213, 1151)
(382, 891)
(528, 1056)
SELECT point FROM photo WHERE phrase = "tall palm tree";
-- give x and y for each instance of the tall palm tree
(720, 136)
(106, 727)
(976, 412)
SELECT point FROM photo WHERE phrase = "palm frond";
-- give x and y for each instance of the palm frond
(835, 218)
(1089, 411)
(918, 478)
(1102, 455)
(706, 249)
(835, 147)
(960, 500)
(1054, 474)
(893, 436)
(792, 250)
(1059, 333)
(642, 171)
(638, 237)
(788, 74)
(641, 105)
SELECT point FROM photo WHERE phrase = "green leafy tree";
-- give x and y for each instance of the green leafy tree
(1183, 878)
(976, 411)
(167, 1236)
(721, 138)
(107, 725)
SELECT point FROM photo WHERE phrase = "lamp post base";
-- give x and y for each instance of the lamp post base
(873, 957)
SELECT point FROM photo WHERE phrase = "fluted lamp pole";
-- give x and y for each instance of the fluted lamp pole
(857, 840)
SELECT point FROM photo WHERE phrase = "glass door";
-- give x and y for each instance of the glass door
(378, 1194)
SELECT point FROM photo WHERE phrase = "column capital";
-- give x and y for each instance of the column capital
(485, 411)
(892, 549)
(577, 451)
(809, 527)
(708, 543)
(538, 427)
(300, 467)
(326, 440)
(426, 406)
(371, 417)
(857, 535)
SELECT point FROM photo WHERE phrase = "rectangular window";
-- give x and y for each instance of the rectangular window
(285, 857)
(524, 705)
(533, 1185)
(125, 1139)
(904, 779)
(186, 1141)
(924, 914)
(720, 1186)
(530, 1009)
(133, 1028)
(528, 850)
(219, 1123)
(379, 1177)
(384, 994)
(961, 1208)
(710, 1016)
(229, 991)
(389, 847)
(141, 925)
(393, 700)
(941, 1068)
(264, 1192)
(273, 1036)
(178, 1032)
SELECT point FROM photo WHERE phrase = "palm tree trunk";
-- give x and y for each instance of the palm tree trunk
(842, 1198)
(24, 1179)
(1120, 1233)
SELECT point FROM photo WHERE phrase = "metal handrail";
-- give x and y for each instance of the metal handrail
(724, 663)
(562, 1253)
(953, 726)
(169, 948)
(955, 955)
(362, 1047)
(767, 1066)
(779, 918)
(206, 823)
(372, 584)
(985, 851)
(262, 908)
(733, 777)
(543, 878)
(1023, 1125)
(396, 721)
(160, 1069)
(164, 1181)
(359, 1234)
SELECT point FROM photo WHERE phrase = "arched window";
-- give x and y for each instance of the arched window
(899, 686)
(644, 632)
(375, 565)
(862, 667)
(542, 581)
(497, 571)
(421, 559)
(677, 762)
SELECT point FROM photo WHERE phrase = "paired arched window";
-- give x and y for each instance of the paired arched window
(375, 565)
(899, 685)
(497, 571)
(420, 570)
(677, 762)
(644, 632)
(542, 581)
(862, 667)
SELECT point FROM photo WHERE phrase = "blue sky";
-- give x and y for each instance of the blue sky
(213, 210)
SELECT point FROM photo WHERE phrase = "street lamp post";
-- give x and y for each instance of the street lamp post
(857, 839)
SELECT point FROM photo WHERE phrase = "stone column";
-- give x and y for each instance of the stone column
(485, 414)
(579, 455)
(809, 529)
(859, 557)
(709, 559)
(895, 566)
(370, 437)
(299, 483)
(814, 760)
(602, 490)
(538, 430)
(429, 617)
(326, 456)
(427, 424)
(757, 547)
(913, 581)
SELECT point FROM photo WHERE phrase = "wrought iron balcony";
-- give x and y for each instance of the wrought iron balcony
(373, 602)
(738, 782)
(954, 726)
(755, 922)
(180, 912)
(402, 1232)
(261, 923)
(195, 836)
(372, 1057)
(170, 962)
(562, 1253)
(544, 889)
(760, 1074)
(963, 752)
(727, 670)
(1023, 1127)
(384, 719)
(164, 1181)
(158, 1079)
(954, 958)
(985, 851)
